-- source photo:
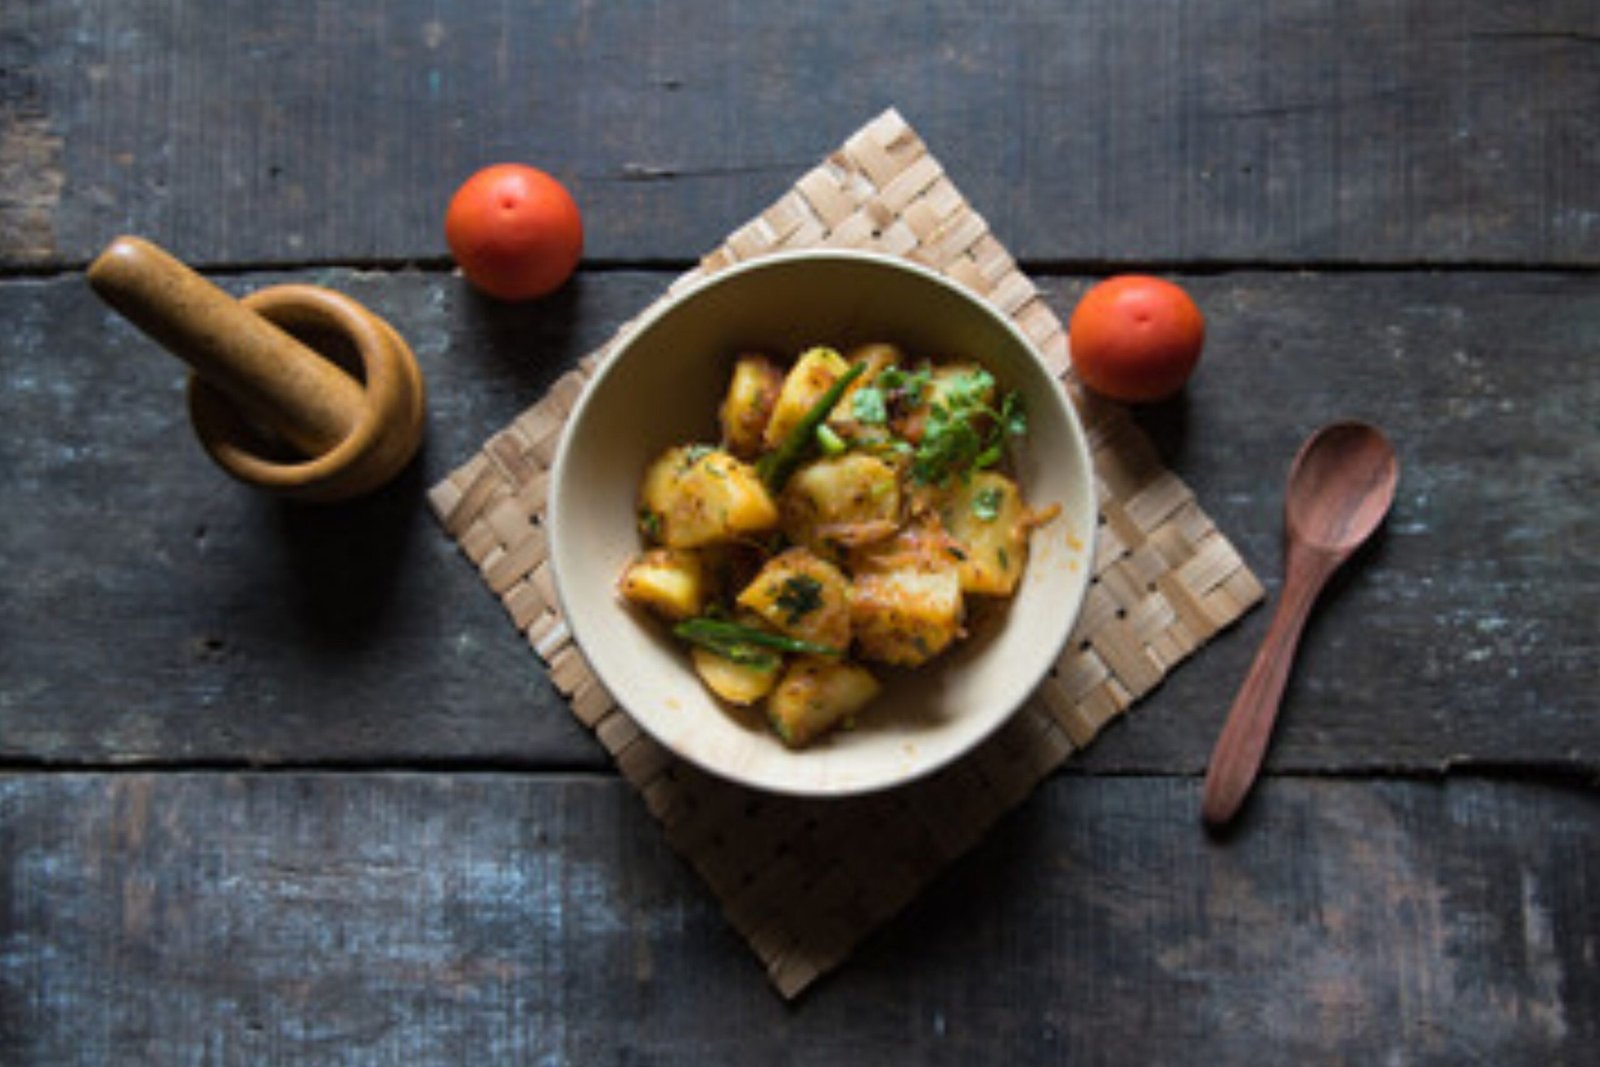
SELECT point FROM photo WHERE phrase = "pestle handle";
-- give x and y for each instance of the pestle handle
(310, 401)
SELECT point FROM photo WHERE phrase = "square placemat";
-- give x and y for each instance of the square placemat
(804, 881)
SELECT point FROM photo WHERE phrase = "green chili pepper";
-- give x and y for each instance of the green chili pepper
(744, 644)
(776, 466)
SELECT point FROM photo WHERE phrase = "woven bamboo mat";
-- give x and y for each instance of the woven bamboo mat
(805, 881)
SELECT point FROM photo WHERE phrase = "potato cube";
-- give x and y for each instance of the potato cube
(737, 683)
(905, 603)
(815, 695)
(800, 594)
(668, 581)
(843, 500)
(694, 495)
(908, 616)
(989, 521)
(924, 545)
(752, 393)
(812, 375)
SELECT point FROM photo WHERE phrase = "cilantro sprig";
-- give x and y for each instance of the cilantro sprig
(892, 391)
(964, 432)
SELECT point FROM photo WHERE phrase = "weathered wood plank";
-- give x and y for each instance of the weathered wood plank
(417, 919)
(1436, 131)
(157, 612)
(1466, 634)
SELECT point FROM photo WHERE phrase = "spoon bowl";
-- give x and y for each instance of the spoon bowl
(1341, 485)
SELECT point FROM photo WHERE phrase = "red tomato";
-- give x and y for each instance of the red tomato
(515, 231)
(1136, 338)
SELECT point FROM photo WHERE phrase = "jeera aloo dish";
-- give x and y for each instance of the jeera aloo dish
(855, 512)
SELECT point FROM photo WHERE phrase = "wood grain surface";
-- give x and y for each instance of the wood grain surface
(279, 784)
(1435, 131)
(249, 631)
(475, 919)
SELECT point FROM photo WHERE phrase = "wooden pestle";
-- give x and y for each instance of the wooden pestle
(307, 399)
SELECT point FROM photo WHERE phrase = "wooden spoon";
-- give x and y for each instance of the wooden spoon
(1340, 488)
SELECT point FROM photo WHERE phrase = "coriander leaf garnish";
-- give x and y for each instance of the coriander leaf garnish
(986, 503)
(868, 405)
(968, 390)
(801, 594)
(963, 433)
(1012, 416)
(650, 523)
(693, 454)
(949, 444)
(904, 384)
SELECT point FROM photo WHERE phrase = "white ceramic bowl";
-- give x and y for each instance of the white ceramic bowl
(662, 386)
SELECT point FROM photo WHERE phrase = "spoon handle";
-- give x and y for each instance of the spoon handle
(1243, 742)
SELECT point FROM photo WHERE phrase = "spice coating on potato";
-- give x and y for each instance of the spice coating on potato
(906, 617)
(905, 602)
(987, 518)
(817, 694)
(803, 595)
(747, 407)
(840, 501)
(668, 581)
(695, 495)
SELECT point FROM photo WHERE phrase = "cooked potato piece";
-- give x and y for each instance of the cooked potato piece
(906, 617)
(987, 517)
(923, 545)
(752, 393)
(878, 358)
(669, 581)
(815, 695)
(843, 500)
(694, 495)
(811, 376)
(803, 595)
(737, 683)
(905, 603)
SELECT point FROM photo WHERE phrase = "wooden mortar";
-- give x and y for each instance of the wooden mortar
(296, 389)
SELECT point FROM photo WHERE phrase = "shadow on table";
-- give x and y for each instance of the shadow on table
(346, 560)
(1166, 423)
(526, 345)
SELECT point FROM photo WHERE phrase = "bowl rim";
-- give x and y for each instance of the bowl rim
(669, 302)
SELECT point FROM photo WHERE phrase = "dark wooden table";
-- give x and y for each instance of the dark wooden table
(281, 785)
